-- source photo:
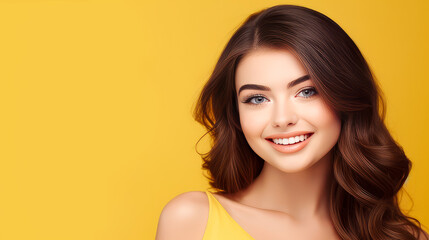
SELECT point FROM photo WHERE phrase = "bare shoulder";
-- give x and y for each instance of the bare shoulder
(184, 217)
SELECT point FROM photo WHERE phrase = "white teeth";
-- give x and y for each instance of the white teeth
(297, 138)
(291, 140)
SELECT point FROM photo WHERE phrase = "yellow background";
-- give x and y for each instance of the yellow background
(96, 132)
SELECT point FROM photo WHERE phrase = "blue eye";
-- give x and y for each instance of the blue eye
(256, 100)
(308, 92)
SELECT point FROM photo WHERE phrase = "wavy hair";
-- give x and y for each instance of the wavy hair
(369, 167)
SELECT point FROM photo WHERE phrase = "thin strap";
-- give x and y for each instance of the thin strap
(217, 212)
(210, 197)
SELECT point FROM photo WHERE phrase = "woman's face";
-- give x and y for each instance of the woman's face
(282, 116)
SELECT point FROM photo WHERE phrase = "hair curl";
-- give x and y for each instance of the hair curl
(369, 167)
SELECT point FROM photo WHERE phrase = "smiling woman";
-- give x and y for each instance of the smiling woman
(285, 122)
(300, 149)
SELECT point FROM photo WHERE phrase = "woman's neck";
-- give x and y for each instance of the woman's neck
(301, 195)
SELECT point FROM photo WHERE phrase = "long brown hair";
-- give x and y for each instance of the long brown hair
(369, 167)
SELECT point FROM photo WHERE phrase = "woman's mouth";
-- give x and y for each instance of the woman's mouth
(291, 140)
(290, 144)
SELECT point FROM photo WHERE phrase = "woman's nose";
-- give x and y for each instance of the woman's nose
(284, 115)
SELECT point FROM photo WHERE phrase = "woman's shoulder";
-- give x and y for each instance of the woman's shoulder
(187, 204)
(184, 217)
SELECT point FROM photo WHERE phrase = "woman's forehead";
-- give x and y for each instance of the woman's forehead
(269, 67)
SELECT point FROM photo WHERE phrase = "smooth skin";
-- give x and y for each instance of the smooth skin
(289, 199)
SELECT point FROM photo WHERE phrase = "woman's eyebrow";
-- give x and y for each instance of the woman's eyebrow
(253, 86)
(298, 81)
(265, 88)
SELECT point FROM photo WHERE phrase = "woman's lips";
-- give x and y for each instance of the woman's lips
(290, 148)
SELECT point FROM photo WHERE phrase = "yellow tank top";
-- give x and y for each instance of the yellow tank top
(221, 225)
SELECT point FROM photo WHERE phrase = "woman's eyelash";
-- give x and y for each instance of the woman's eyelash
(252, 97)
(309, 92)
(258, 98)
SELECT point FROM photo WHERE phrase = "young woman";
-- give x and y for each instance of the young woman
(300, 149)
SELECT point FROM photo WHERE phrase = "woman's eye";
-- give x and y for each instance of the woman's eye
(306, 93)
(256, 100)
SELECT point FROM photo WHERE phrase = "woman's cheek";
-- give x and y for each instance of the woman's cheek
(253, 121)
(326, 120)
(321, 113)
